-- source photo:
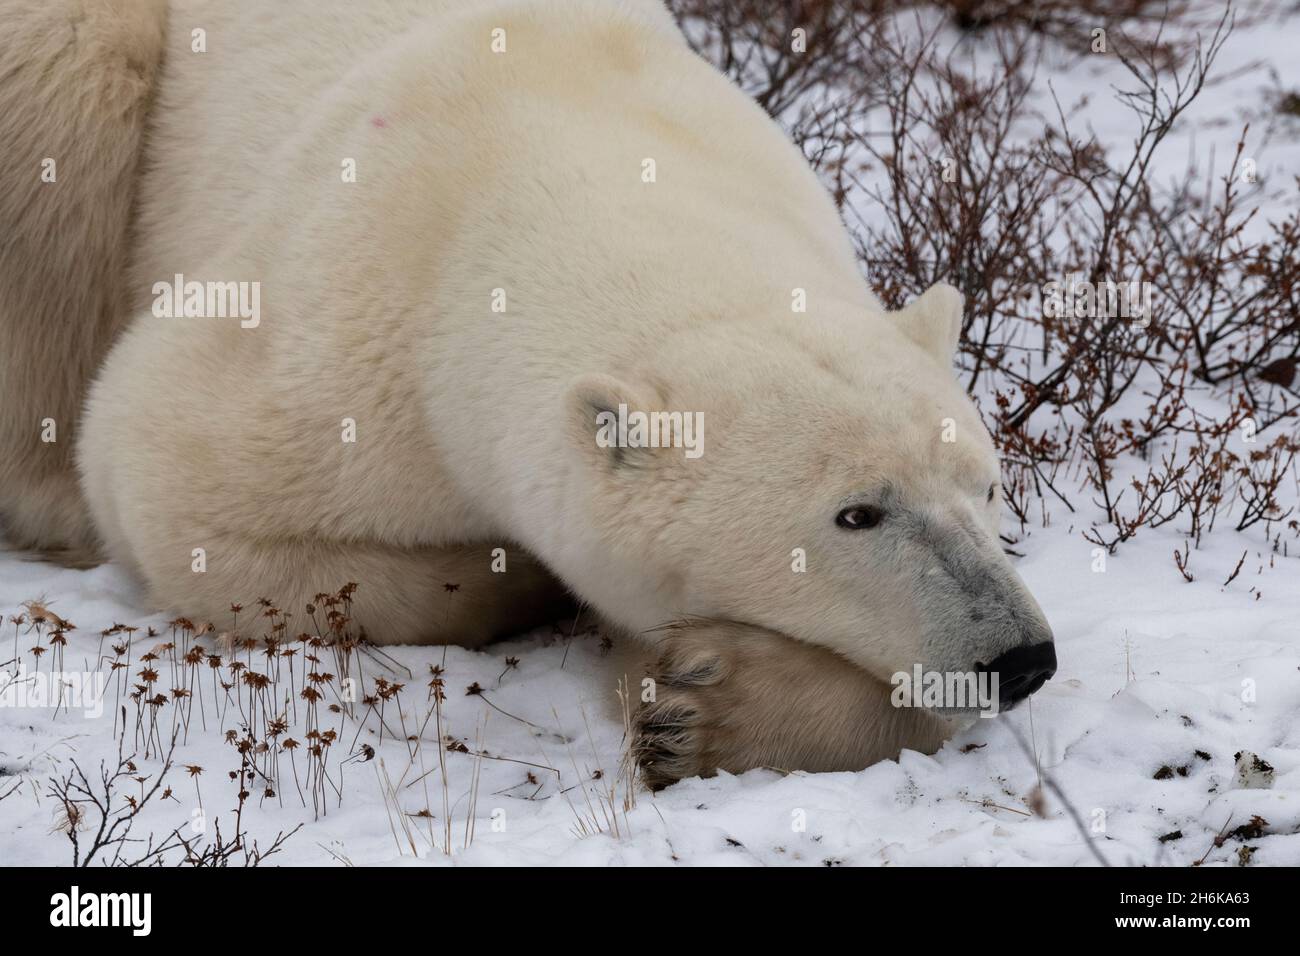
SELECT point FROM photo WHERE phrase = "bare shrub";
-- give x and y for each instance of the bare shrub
(945, 170)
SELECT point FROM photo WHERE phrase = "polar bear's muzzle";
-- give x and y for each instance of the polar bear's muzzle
(977, 615)
(1021, 671)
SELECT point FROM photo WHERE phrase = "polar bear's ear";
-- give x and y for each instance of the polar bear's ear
(593, 406)
(933, 321)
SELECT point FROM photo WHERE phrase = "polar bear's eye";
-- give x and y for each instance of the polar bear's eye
(859, 517)
(993, 488)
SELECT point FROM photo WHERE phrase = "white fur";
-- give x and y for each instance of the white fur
(519, 171)
(75, 81)
(478, 171)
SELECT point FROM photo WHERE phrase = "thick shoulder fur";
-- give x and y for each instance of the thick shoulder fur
(76, 78)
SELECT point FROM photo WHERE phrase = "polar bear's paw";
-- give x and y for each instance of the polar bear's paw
(676, 732)
(695, 724)
(734, 697)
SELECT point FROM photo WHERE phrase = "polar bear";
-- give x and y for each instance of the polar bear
(395, 269)
(75, 82)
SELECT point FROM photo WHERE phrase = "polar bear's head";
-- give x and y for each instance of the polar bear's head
(842, 490)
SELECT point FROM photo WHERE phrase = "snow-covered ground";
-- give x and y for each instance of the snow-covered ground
(1161, 684)
(1153, 674)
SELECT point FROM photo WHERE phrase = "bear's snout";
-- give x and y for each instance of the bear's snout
(1021, 671)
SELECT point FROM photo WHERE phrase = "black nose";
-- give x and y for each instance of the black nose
(1021, 671)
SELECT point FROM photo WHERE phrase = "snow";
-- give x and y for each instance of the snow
(1155, 672)
(1151, 673)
